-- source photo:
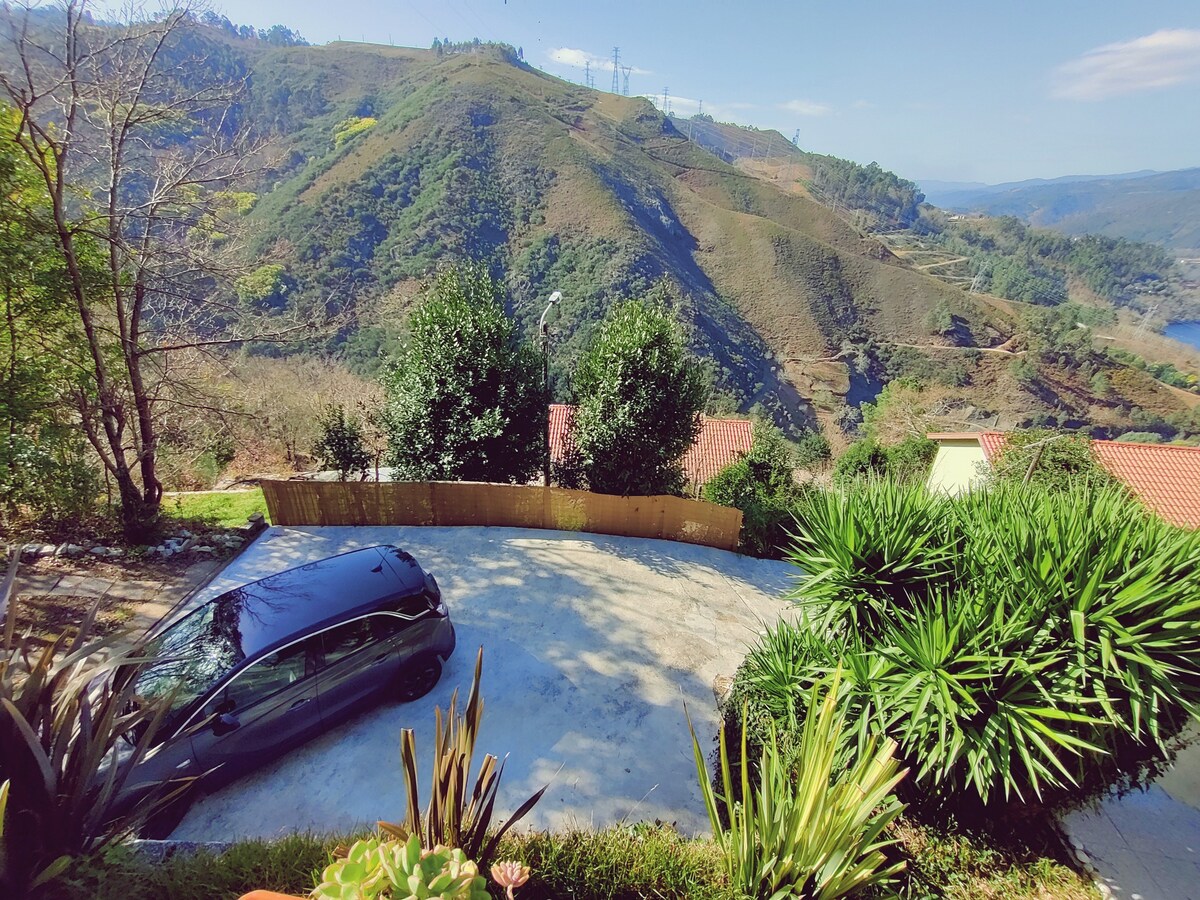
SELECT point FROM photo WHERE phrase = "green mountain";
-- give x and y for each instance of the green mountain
(393, 161)
(1161, 207)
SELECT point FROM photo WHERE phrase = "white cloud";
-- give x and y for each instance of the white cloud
(1158, 60)
(863, 104)
(806, 108)
(570, 56)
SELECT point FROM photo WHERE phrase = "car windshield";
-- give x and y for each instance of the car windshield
(192, 656)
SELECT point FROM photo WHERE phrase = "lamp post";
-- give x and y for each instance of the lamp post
(545, 332)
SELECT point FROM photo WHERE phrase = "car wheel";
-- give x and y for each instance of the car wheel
(418, 679)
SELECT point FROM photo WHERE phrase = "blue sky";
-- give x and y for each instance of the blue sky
(962, 91)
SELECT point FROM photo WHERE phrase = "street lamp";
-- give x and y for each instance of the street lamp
(545, 332)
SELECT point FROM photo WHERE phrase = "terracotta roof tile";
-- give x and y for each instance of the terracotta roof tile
(721, 441)
(1164, 477)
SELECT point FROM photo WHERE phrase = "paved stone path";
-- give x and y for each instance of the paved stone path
(1146, 844)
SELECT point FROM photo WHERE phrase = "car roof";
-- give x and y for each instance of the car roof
(280, 607)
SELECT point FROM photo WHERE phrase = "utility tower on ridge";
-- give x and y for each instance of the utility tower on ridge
(616, 70)
(625, 70)
(666, 108)
(587, 73)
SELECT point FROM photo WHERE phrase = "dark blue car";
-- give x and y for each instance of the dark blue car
(265, 667)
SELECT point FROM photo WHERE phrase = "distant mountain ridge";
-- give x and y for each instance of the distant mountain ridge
(1158, 207)
(953, 194)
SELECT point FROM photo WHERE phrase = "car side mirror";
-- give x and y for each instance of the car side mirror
(224, 724)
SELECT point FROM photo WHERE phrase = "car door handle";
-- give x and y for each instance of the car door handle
(380, 658)
(299, 703)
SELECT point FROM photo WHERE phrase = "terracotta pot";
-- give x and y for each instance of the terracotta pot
(268, 895)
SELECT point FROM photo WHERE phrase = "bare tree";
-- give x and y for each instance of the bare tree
(138, 150)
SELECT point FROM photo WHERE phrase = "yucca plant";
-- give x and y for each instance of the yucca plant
(1118, 586)
(978, 703)
(63, 711)
(815, 833)
(460, 810)
(868, 549)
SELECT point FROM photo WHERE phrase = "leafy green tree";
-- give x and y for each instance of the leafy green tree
(940, 320)
(862, 459)
(639, 398)
(340, 445)
(465, 398)
(1053, 461)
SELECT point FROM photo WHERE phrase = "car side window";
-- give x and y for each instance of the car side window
(346, 639)
(413, 605)
(270, 674)
(384, 626)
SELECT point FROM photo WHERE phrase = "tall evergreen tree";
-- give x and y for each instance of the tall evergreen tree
(640, 394)
(465, 396)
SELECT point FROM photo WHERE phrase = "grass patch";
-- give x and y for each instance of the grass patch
(963, 865)
(620, 863)
(288, 865)
(217, 509)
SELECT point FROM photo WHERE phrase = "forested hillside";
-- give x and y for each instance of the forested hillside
(396, 161)
(1161, 208)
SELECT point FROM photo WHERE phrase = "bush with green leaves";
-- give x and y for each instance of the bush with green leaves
(815, 829)
(1050, 460)
(465, 400)
(460, 809)
(639, 395)
(340, 445)
(862, 459)
(762, 485)
(1016, 643)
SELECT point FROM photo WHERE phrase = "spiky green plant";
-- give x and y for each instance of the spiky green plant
(817, 833)
(1030, 643)
(63, 711)
(460, 810)
(869, 549)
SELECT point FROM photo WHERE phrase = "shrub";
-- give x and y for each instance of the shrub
(862, 459)
(460, 812)
(870, 548)
(911, 458)
(639, 398)
(762, 486)
(1051, 461)
(1015, 643)
(340, 445)
(814, 833)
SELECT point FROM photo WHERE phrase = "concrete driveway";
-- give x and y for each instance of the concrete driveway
(592, 646)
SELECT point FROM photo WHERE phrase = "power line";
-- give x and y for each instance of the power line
(616, 70)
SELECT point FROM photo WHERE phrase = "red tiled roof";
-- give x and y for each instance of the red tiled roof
(1163, 476)
(720, 442)
(1166, 478)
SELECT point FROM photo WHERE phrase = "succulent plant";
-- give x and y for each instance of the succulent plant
(392, 870)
